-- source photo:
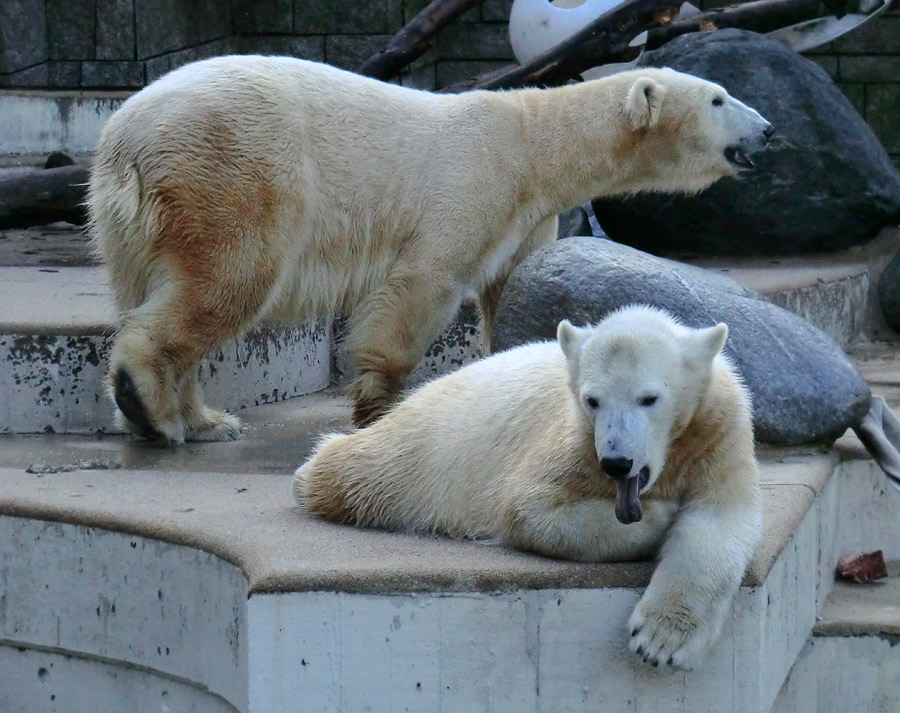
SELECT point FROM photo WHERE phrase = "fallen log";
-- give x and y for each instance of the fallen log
(414, 39)
(43, 196)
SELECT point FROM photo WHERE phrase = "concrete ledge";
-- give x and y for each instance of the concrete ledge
(55, 327)
(828, 291)
(36, 123)
(337, 616)
(158, 621)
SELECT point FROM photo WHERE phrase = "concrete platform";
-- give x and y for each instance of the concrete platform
(383, 621)
(852, 654)
(144, 557)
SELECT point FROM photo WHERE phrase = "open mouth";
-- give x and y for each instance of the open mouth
(628, 502)
(736, 155)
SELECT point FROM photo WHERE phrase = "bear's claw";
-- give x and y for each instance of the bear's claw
(129, 402)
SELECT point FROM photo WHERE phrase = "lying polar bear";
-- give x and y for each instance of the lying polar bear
(241, 188)
(626, 440)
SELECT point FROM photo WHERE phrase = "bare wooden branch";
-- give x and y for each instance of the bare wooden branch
(607, 37)
(758, 16)
(606, 40)
(43, 196)
(414, 40)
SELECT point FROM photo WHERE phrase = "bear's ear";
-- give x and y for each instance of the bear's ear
(570, 338)
(644, 103)
(707, 343)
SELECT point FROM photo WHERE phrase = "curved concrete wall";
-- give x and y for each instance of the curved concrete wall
(92, 620)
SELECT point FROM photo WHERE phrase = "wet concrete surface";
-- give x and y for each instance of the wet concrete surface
(277, 438)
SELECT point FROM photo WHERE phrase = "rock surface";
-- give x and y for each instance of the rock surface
(805, 389)
(826, 183)
(889, 292)
(575, 222)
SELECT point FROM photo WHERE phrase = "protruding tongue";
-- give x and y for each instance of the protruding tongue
(628, 505)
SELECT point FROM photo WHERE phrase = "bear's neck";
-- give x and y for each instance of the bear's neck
(574, 153)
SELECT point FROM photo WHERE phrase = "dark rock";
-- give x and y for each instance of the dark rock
(108, 74)
(349, 17)
(58, 159)
(183, 24)
(805, 389)
(263, 16)
(889, 292)
(825, 184)
(63, 75)
(575, 222)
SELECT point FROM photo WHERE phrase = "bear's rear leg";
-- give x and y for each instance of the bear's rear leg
(153, 367)
(127, 398)
(143, 384)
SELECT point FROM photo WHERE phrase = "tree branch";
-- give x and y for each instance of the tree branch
(414, 40)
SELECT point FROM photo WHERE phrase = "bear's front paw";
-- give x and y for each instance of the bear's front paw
(669, 635)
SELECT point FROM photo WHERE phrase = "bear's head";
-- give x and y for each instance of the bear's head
(679, 133)
(639, 377)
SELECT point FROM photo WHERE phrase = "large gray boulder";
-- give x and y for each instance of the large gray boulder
(805, 389)
(825, 184)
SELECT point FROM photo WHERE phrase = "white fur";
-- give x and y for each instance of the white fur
(508, 448)
(242, 188)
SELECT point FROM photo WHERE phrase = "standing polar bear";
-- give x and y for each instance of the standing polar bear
(622, 441)
(241, 188)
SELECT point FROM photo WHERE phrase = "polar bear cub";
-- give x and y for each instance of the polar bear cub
(625, 440)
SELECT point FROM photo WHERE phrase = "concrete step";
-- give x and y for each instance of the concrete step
(830, 292)
(55, 327)
(34, 123)
(852, 655)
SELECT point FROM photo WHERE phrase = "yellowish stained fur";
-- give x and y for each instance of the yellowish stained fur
(243, 188)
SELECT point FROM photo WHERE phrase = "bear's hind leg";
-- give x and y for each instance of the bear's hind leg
(157, 350)
(390, 332)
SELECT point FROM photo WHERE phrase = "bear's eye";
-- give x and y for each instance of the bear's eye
(647, 400)
(718, 101)
(592, 402)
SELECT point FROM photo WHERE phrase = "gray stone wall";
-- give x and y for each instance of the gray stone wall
(125, 44)
(865, 64)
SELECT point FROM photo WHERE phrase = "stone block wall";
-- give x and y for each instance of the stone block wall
(125, 44)
(865, 64)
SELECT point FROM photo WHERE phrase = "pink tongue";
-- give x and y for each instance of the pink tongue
(628, 505)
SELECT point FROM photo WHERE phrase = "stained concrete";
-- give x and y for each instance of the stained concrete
(871, 609)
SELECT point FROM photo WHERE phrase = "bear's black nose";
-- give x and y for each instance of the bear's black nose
(769, 131)
(616, 467)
